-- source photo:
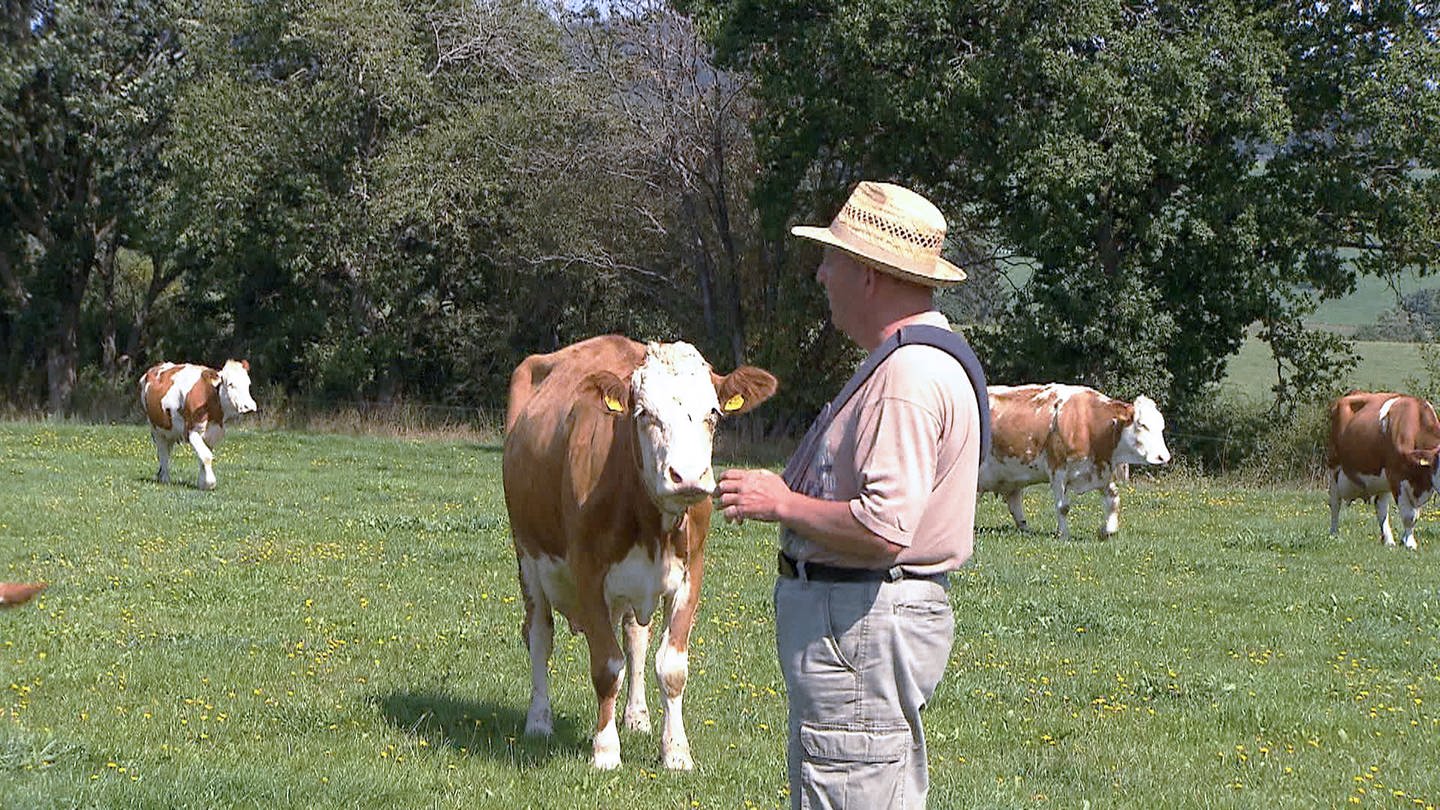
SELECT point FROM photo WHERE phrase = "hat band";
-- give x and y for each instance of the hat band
(901, 239)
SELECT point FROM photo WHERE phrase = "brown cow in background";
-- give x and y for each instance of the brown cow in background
(1383, 445)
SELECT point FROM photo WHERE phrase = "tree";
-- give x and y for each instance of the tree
(1175, 172)
(84, 95)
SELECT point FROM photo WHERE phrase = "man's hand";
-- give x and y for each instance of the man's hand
(756, 494)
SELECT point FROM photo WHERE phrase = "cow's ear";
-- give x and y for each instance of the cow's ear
(743, 389)
(607, 392)
(245, 364)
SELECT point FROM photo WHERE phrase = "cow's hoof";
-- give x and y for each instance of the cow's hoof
(606, 760)
(678, 759)
(538, 723)
(638, 720)
(206, 485)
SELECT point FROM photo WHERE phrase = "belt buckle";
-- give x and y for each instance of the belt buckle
(894, 573)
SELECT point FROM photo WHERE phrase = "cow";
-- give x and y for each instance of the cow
(1383, 445)
(1074, 437)
(18, 593)
(607, 476)
(190, 402)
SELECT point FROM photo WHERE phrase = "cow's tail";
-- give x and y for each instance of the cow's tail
(1341, 411)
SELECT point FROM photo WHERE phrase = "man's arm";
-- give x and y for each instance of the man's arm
(763, 495)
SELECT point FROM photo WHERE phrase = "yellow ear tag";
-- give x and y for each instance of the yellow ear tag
(734, 403)
(613, 404)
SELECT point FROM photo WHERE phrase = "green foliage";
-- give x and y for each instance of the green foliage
(338, 625)
(85, 98)
(1176, 172)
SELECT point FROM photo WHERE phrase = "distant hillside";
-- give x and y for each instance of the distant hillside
(1372, 297)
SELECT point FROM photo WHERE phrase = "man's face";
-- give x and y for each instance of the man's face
(843, 278)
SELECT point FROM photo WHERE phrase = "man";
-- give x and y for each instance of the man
(876, 506)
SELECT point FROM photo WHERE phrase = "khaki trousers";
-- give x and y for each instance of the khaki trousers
(860, 661)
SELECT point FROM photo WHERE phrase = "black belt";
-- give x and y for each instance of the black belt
(790, 569)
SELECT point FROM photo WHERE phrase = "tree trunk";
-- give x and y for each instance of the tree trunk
(108, 344)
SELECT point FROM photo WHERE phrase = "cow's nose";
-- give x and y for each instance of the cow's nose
(702, 484)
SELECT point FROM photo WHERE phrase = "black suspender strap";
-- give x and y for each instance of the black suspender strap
(952, 343)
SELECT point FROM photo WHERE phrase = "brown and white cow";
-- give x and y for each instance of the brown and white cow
(190, 402)
(1383, 445)
(607, 474)
(18, 593)
(1074, 437)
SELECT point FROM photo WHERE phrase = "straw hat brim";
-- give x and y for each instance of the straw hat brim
(939, 274)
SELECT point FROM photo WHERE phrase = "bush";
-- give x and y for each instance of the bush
(1224, 435)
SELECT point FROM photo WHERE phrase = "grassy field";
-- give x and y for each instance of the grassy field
(1372, 298)
(337, 626)
(1383, 366)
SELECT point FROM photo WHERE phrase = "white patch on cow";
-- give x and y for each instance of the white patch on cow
(676, 410)
(1083, 475)
(1385, 414)
(607, 745)
(1000, 474)
(551, 576)
(672, 667)
(634, 583)
(173, 402)
(637, 642)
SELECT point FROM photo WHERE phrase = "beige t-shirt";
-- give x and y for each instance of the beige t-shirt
(905, 452)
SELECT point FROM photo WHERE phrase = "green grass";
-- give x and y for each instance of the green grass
(337, 626)
(1372, 298)
(1382, 366)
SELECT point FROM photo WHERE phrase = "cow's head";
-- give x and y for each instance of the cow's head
(1143, 440)
(235, 388)
(1426, 462)
(674, 401)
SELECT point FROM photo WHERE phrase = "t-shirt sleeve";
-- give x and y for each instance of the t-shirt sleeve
(896, 458)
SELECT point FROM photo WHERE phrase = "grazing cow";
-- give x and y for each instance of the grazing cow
(190, 402)
(607, 481)
(18, 593)
(1383, 445)
(1076, 438)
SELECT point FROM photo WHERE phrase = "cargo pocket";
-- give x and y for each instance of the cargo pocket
(853, 766)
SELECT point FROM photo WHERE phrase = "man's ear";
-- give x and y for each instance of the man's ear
(742, 389)
(607, 392)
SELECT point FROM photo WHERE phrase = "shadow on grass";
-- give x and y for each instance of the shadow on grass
(481, 728)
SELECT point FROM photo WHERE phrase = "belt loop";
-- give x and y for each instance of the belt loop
(800, 573)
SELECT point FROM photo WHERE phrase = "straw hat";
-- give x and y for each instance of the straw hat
(892, 229)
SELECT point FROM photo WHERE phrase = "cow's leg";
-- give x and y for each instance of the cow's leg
(1015, 499)
(1335, 502)
(1111, 495)
(672, 665)
(1382, 516)
(607, 666)
(1062, 504)
(539, 632)
(163, 443)
(637, 644)
(202, 452)
(1409, 509)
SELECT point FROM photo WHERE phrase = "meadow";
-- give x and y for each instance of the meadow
(338, 626)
